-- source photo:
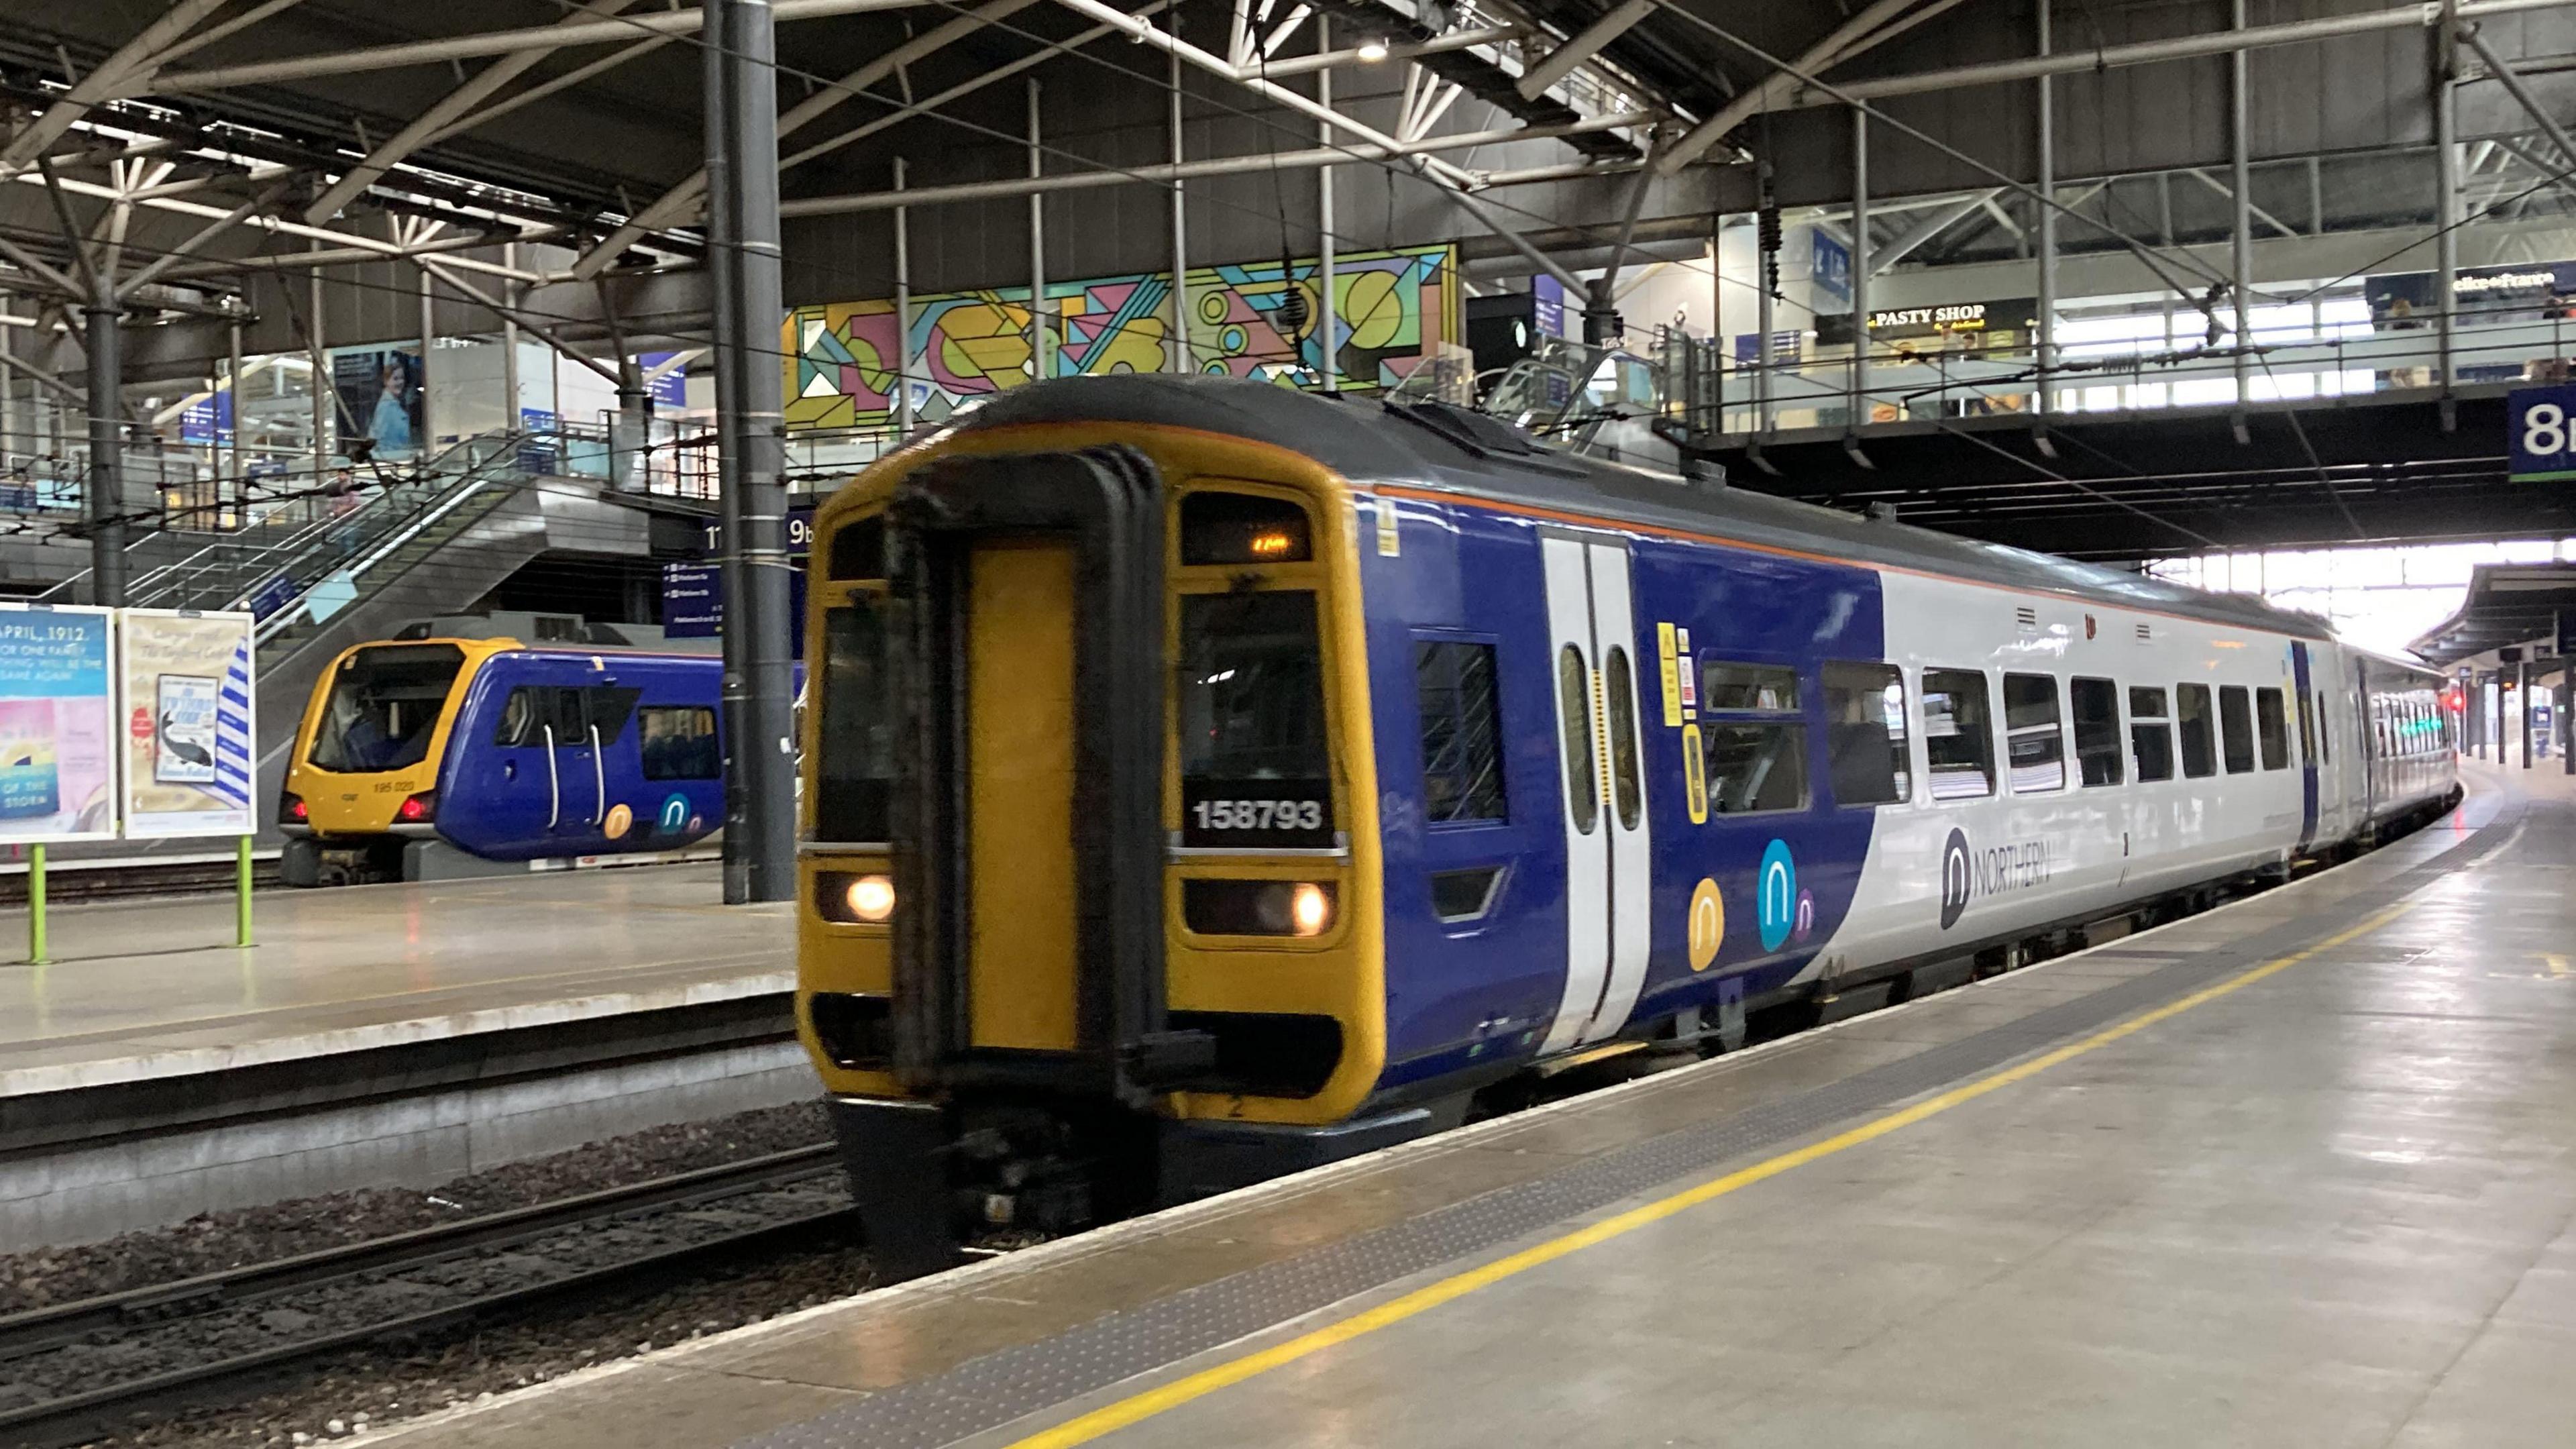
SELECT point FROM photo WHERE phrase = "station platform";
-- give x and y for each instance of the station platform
(2298, 1170)
(384, 1035)
(152, 988)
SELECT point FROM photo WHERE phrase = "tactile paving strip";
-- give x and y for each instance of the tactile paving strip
(1007, 1384)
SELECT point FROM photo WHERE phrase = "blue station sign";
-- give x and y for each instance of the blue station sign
(2540, 433)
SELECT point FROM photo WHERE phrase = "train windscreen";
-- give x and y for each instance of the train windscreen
(383, 708)
(1255, 758)
(855, 771)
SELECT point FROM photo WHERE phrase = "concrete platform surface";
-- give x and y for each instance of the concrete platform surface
(2298, 1171)
(156, 988)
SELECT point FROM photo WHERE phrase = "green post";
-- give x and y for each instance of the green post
(36, 905)
(241, 904)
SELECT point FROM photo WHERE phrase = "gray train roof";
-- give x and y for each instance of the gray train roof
(1369, 440)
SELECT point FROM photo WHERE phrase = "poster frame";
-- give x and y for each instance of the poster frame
(132, 825)
(115, 716)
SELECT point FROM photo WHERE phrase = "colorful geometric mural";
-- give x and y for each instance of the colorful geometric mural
(1395, 308)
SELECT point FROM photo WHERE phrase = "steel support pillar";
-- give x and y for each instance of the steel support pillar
(2522, 674)
(314, 337)
(512, 419)
(742, 149)
(2241, 228)
(232, 438)
(422, 445)
(103, 500)
(1860, 265)
(2044, 346)
(901, 413)
(1180, 338)
(1324, 309)
(1040, 355)
(2446, 204)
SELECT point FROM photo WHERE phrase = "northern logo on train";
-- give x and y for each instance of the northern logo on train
(1956, 878)
(675, 813)
(1775, 895)
(619, 818)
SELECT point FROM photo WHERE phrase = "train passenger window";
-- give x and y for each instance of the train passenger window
(383, 707)
(1619, 692)
(1754, 766)
(1251, 707)
(1958, 733)
(2272, 729)
(678, 742)
(2095, 704)
(606, 708)
(2150, 736)
(1865, 749)
(2034, 744)
(1574, 709)
(2196, 718)
(1724, 686)
(1462, 731)
(2236, 728)
(854, 764)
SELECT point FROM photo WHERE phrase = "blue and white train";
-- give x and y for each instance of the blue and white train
(1209, 779)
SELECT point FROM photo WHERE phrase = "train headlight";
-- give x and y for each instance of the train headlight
(1216, 907)
(854, 899)
(1310, 909)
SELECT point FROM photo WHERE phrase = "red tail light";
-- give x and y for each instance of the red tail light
(291, 807)
(417, 808)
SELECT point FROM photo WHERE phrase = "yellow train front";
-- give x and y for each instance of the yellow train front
(1036, 998)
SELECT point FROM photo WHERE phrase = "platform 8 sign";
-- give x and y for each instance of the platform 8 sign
(2540, 433)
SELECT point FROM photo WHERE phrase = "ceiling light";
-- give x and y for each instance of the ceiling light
(1373, 50)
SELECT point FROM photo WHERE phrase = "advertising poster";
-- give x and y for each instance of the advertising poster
(379, 390)
(185, 689)
(57, 770)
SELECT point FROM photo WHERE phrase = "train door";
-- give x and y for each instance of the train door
(2301, 677)
(1591, 635)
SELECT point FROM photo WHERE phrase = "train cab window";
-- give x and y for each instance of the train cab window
(1252, 729)
(857, 551)
(2034, 744)
(2150, 734)
(2271, 729)
(1243, 528)
(678, 742)
(2196, 721)
(1958, 733)
(1865, 734)
(2095, 704)
(2236, 728)
(1753, 740)
(383, 707)
(1574, 713)
(1462, 731)
(854, 765)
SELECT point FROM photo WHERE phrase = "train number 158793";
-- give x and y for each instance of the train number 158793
(1259, 814)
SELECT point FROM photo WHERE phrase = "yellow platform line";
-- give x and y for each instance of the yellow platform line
(1142, 1406)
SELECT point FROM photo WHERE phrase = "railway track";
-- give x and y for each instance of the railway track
(78, 1371)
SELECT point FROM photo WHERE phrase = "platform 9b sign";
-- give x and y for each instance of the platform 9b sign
(2540, 433)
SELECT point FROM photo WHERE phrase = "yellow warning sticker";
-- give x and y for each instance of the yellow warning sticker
(1694, 775)
(1664, 651)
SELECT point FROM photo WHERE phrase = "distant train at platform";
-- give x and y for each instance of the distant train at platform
(1208, 780)
(508, 752)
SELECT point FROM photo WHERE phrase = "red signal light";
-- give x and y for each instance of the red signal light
(416, 808)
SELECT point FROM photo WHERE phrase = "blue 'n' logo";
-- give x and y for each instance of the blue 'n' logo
(1776, 895)
(675, 813)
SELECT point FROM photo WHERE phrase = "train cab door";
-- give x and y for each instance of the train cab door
(1592, 643)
